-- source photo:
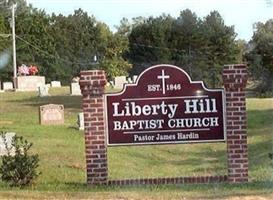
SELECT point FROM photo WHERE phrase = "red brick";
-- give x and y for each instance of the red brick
(100, 170)
(235, 78)
(234, 156)
(97, 142)
(92, 85)
(241, 161)
(96, 105)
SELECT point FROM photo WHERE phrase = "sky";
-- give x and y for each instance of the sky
(240, 13)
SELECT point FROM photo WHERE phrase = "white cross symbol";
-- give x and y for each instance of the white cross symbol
(163, 77)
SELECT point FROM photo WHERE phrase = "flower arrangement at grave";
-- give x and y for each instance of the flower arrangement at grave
(33, 70)
(25, 70)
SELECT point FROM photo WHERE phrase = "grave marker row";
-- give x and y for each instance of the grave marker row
(119, 81)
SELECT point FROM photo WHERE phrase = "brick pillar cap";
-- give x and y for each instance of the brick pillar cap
(234, 76)
(96, 78)
(92, 72)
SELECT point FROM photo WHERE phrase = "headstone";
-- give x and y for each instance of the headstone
(75, 79)
(48, 85)
(119, 82)
(51, 114)
(7, 86)
(80, 121)
(135, 78)
(8, 138)
(29, 83)
(1, 87)
(75, 89)
(56, 84)
(43, 91)
(129, 80)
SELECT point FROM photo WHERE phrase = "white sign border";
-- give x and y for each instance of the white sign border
(165, 142)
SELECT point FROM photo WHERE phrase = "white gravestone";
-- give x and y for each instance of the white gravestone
(1, 87)
(80, 121)
(119, 82)
(129, 80)
(8, 139)
(56, 84)
(7, 86)
(43, 91)
(75, 79)
(29, 83)
(75, 89)
(135, 78)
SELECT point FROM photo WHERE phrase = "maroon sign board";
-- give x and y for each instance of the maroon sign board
(165, 106)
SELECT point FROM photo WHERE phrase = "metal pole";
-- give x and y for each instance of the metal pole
(14, 45)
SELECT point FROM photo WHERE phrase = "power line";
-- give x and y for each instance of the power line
(182, 51)
(3, 35)
(161, 48)
(92, 63)
(53, 56)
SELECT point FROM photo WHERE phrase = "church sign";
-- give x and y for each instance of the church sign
(165, 106)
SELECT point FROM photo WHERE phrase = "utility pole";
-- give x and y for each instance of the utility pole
(14, 44)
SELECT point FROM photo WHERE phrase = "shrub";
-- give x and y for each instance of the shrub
(18, 169)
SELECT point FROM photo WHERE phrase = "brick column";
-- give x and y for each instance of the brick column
(235, 78)
(92, 85)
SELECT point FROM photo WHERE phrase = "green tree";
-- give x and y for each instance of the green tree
(113, 62)
(148, 42)
(260, 54)
(35, 44)
(79, 38)
(220, 47)
(186, 39)
(200, 46)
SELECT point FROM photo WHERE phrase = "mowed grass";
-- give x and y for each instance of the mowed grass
(62, 155)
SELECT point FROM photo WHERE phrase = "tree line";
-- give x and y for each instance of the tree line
(61, 46)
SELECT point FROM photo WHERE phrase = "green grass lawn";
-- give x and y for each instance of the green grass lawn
(62, 159)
